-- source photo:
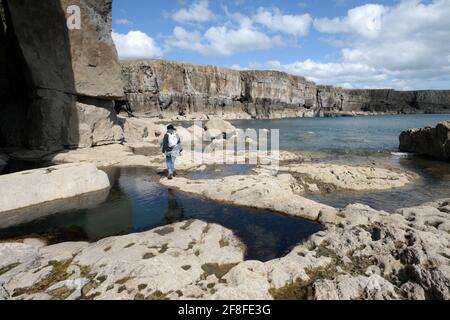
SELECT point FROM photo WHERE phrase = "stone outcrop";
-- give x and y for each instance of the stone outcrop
(279, 193)
(168, 89)
(360, 254)
(330, 177)
(175, 261)
(69, 76)
(433, 142)
(33, 187)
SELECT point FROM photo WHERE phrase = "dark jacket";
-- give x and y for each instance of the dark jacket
(175, 151)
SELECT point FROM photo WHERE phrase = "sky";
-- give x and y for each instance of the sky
(400, 44)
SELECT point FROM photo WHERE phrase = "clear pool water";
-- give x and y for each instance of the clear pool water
(138, 203)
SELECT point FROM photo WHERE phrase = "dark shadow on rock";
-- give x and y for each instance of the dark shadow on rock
(39, 53)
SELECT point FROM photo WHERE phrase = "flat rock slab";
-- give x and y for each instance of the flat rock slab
(351, 178)
(279, 193)
(33, 187)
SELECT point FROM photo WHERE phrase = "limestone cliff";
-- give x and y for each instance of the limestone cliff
(165, 88)
(59, 84)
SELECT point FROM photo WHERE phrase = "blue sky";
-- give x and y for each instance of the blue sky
(401, 44)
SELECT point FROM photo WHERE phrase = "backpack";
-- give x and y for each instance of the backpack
(172, 140)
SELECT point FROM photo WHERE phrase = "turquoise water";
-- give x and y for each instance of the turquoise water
(345, 134)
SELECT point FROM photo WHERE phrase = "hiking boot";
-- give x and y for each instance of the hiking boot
(170, 176)
(174, 173)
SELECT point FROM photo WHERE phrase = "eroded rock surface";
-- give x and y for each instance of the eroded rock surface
(176, 261)
(433, 142)
(28, 188)
(280, 193)
(361, 253)
(330, 177)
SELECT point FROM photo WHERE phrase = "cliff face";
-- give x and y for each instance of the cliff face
(60, 87)
(164, 88)
(158, 87)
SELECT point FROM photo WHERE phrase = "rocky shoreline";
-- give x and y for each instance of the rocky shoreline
(360, 253)
(58, 108)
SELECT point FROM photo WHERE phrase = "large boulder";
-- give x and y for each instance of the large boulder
(33, 187)
(76, 61)
(94, 123)
(138, 130)
(58, 120)
(218, 128)
(433, 142)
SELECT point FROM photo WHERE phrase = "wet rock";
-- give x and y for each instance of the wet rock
(433, 142)
(38, 186)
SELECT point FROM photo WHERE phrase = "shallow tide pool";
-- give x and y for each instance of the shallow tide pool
(137, 203)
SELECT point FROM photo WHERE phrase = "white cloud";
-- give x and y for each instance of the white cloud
(329, 72)
(136, 45)
(124, 21)
(222, 40)
(198, 12)
(408, 42)
(275, 20)
(364, 20)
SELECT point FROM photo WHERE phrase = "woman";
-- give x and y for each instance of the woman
(172, 149)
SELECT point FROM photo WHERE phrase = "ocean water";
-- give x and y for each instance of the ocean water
(137, 203)
(366, 134)
(359, 140)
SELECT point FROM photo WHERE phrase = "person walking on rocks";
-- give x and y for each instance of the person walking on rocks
(172, 149)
